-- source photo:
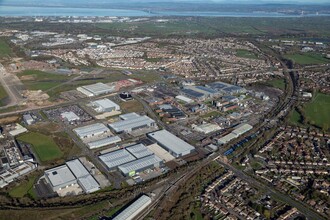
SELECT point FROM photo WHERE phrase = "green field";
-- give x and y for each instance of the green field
(39, 80)
(277, 83)
(3, 95)
(44, 146)
(307, 59)
(5, 50)
(318, 111)
(294, 117)
(25, 188)
(246, 54)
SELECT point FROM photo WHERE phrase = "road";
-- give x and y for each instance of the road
(309, 213)
(13, 99)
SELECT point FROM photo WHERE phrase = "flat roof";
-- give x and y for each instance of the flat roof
(242, 128)
(60, 175)
(139, 164)
(116, 158)
(172, 142)
(98, 88)
(139, 150)
(77, 168)
(225, 139)
(70, 116)
(192, 93)
(91, 129)
(134, 209)
(104, 142)
(88, 183)
(131, 121)
(105, 103)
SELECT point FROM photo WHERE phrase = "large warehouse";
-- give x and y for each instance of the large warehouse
(96, 89)
(226, 88)
(132, 121)
(133, 159)
(134, 209)
(103, 142)
(116, 158)
(139, 165)
(174, 145)
(70, 174)
(91, 130)
(105, 105)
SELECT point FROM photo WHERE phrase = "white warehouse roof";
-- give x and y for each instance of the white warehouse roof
(116, 158)
(77, 168)
(95, 89)
(225, 139)
(59, 176)
(104, 142)
(105, 104)
(91, 130)
(241, 129)
(70, 116)
(134, 209)
(176, 146)
(140, 164)
(130, 122)
(139, 150)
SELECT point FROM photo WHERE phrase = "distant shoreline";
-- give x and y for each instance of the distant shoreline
(51, 11)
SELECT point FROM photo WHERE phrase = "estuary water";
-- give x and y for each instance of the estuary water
(17, 11)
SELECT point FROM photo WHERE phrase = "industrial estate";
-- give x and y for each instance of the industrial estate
(99, 120)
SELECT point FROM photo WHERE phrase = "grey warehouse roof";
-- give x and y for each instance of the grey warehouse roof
(91, 129)
(139, 150)
(171, 142)
(103, 142)
(139, 164)
(105, 103)
(98, 88)
(59, 175)
(77, 168)
(131, 121)
(88, 183)
(131, 211)
(115, 158)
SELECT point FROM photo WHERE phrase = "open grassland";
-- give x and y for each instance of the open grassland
(246, 54)
(3, 95)
(5, 49)
(44, 146)
(39, 80)
(131, 106)
(25, 188)
(295, 117)
(277, 83)
(307, 59)
(318, 111)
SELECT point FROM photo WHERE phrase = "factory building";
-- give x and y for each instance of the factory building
(60, 177)
(131, 122)
(103, 142)
(139, 165)
(70, 174)
(134, 209)
(184, 99)
(139, 150)
(116, 158)
(239, 130)
(225, 88)
(91, 130)
(28, 119)
(96, 89)
(199, 92)
(174, 145)
(69, 116)
(105, 105)
(206, 128)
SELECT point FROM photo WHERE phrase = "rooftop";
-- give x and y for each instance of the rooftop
(172, 142)
(131, 121)
(139, 150)
(91, 129)
(139, 164)
(116, 158)
(60, 175)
